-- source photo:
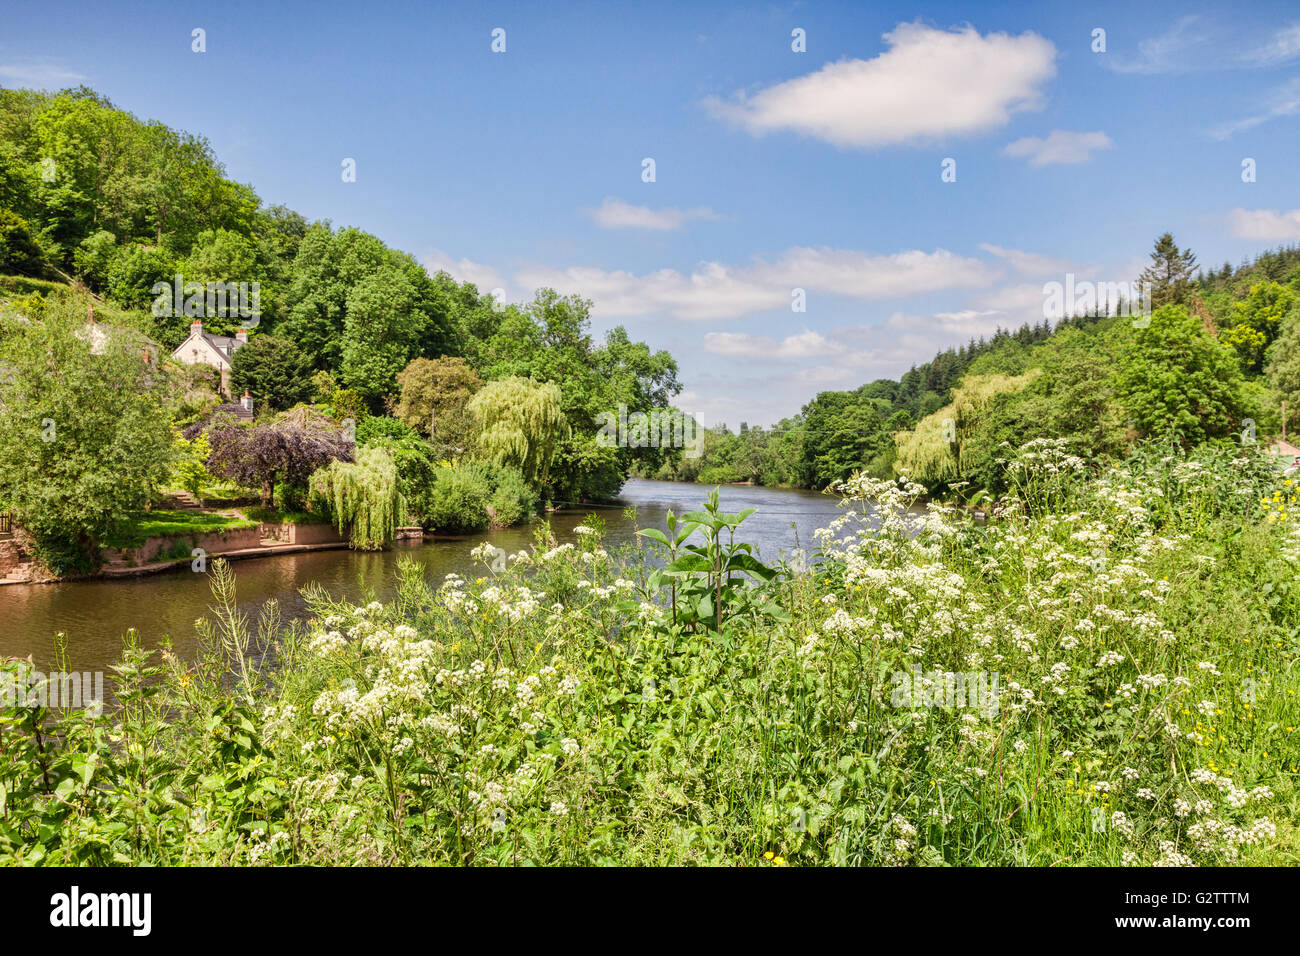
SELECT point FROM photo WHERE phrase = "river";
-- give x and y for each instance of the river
(96, 614)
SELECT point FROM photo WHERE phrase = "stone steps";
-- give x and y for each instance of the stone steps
(19, 575)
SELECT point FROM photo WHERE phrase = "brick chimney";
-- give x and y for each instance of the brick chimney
(196, 327)
(247, 401)
(242, 336)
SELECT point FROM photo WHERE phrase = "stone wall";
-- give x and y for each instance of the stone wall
(314, 534)
(235, 539)
(10, 556)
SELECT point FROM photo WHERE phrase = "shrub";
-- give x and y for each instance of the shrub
(459, 501)
(1105, 677)
(513, 499)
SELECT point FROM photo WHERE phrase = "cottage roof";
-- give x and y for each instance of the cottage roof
(224, 345)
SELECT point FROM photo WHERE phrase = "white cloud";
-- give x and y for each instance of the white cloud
(930, 83)
(806, 344)
(485, 277)
(1265, 225)
(715, 291)
(1285, 101)
(616, 214)
(43, 75)
(1195, 45)
(1027, 262)
(1060, 147)
(1281, 47)
(1181, 49)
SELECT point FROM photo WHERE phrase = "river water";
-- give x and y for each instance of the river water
(96, 614)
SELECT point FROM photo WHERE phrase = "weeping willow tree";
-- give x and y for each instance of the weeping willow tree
(520, 422)
(932, 452)
(362, 497)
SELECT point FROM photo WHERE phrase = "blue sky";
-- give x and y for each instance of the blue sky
(774, 170)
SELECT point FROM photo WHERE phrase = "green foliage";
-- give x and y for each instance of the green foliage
(520, 423)
(434, 398)
(511, 497)
(19, 251)
(843, 432)
(133, 273)
(272, 369)
(458, 503)
(85, 430)
(939, 449)
(915, 660)
(1282, 370)
(710, 583)
(548, 341)
(1175, 377)
(94, 257)
(361, 308)
(374, 427)
(362, 497)
(347, 405)
(1257, 322)
(1168, 279)
(415, 462)
(190, 470)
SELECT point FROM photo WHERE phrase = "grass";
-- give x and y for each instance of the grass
(164, 523)
(1141, 623)
(275, 516)
(24, 285)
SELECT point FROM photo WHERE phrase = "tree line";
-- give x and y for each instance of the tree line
(1216, 358)
(479, 402)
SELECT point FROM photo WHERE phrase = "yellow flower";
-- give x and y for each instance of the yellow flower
(768, 855)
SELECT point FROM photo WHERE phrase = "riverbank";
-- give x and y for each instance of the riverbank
(944, 694)
(96, 612)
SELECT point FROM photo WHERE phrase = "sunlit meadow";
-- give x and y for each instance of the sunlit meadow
(1139, 626)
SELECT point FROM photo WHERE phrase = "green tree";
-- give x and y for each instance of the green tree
(362, 497)
(94, 257)
(549, 340)
(1175, 376)
(83, 424)
(18, 250)
(350, 292)
(1256, 322)
(133, 273)
(1282, 369)
(1169, 277)
(842, 433)
(520, 423)
(434, 399)
(379, 333)
(191, 468)
(273, 370)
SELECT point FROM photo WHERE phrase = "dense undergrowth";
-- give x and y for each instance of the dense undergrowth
(1126, 638)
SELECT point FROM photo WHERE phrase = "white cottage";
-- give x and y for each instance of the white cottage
(202, 348)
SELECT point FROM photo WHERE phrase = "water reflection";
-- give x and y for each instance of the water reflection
(95, 614)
